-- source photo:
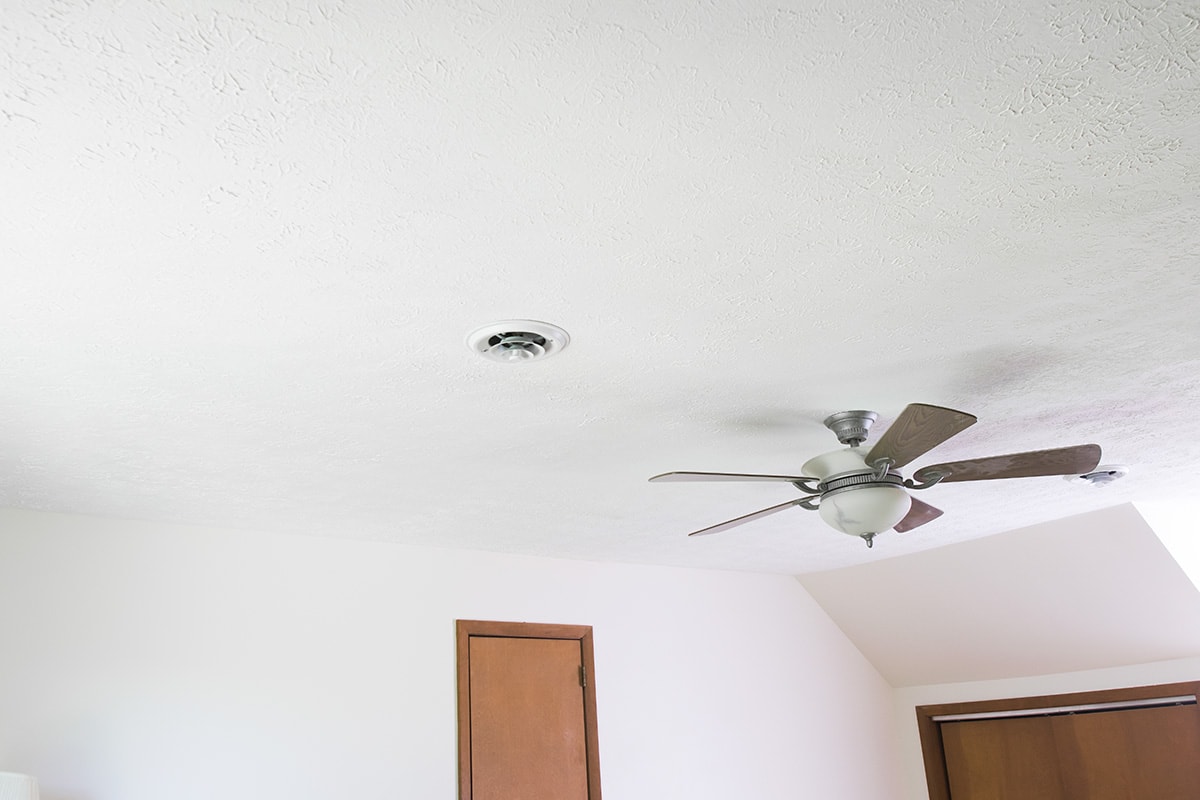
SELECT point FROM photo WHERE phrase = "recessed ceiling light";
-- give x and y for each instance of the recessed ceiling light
(517, 341)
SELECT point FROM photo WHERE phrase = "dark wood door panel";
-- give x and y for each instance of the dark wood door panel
(1002, 759)
(1131, 754)
(1139, 743)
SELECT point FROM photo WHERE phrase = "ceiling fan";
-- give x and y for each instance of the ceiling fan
(863, 494)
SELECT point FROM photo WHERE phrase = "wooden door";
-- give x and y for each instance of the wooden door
(1131, 754)
(526, 712)
(998, 759)
(1132, 744)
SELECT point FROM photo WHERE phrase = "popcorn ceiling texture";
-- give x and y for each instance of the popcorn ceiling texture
(243, 243)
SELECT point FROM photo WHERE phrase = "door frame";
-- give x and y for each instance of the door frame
(465, 629)
(934, 755)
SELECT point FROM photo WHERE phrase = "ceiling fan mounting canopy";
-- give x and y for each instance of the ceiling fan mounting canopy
(851, 427)
(864, 495)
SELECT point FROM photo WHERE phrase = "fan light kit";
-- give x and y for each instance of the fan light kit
(864, 495)
(518, 341)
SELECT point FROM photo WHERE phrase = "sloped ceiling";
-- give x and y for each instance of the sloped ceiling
(243, 244)
(1093, 591)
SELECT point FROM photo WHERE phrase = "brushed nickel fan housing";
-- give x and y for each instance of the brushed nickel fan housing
(859, 480)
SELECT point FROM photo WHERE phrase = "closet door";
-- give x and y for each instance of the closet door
(1125, 744)
(526, 713)
(1112, 755)
(1135, 753)
(998, 759)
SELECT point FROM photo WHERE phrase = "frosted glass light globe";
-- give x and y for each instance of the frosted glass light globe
(858, 511)
(871, 509)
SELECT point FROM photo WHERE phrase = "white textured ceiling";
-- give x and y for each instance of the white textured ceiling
(241, 245)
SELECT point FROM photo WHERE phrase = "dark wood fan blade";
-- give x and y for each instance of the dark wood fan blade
(1061, 461)
(722, 476)
(920, 513)
(917, 430)
(733, 523)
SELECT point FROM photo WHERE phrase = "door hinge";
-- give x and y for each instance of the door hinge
(582, 676)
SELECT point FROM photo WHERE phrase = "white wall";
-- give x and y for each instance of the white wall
(1174, 522)
(143, 662)
(908, 699)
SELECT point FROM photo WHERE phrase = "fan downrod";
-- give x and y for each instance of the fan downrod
(851, 427)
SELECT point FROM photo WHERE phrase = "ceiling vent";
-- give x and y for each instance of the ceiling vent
(517, 341)
(1102, 475)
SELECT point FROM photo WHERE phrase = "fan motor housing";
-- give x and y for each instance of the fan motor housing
(859, 480)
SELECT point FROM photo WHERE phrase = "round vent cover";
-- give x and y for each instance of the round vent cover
(1102, 475)
(516, 341)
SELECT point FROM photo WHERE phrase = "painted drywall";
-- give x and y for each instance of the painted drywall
(907, 699)
(143, 662)
(1091, 591)
(1174, 522)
